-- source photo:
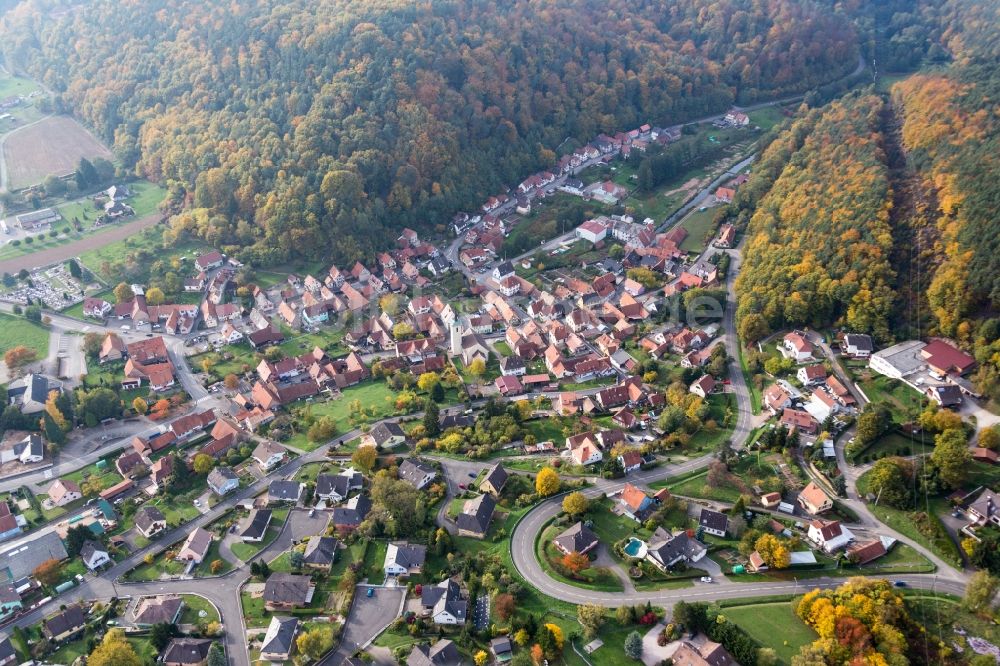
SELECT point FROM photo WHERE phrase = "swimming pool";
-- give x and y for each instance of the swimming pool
(635, 548)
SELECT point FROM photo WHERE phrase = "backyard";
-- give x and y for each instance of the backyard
(773, 625)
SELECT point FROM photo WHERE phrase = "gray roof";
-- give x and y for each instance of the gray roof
(33, 442)
(68, 620)
(442, 653)
(414, 471)
(256, 524)
(285, 588)
(341, 484)
(6, 649)
(381, 433)
(509, 363)
(187, 650)
(714, 520)
(480, 513)
(146, 516)
(158, 609)
(859, 340)
(497, 476)
(286, 491)
(220, 475)
(320, 551)
(576, 538)
(90, 548)
(19, 561)
(353, 512)
(409, 555)
(445, 596)
(32, 388)
(279, 636)
(667, 548)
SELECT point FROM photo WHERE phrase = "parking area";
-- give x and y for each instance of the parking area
(369, 615)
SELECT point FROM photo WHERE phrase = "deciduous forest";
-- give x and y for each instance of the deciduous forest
(306, 129)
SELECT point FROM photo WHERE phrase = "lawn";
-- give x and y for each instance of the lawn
(755, 394)
(904, 402)
(245, 551)
(15, 85)
(194, 606)
(372, 566)
(593, 578)
(700, 228)
(375, 397)
(547, 430)
(16, 331)
(549, 218)
(773, 625)
(933, 534)
(895, 444)
(767, 117)
(697, 486)
(149, 242)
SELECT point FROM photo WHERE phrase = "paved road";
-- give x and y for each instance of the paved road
(369, 616)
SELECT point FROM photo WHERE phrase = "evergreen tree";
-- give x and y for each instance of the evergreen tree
(432, 417)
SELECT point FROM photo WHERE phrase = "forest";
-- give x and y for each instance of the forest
(819, 240)
(304, 129)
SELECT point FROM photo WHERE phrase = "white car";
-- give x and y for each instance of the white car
(706, 579)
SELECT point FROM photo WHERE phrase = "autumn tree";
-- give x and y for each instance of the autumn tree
(48, 572)
(428, 380)
(480, 658)
(575, 504)
(980, 592)
(505, 606)
(19, 356)
(364, 458)
(591, 617)
(114, 650)
(547, 482)
(203, 463)
(575, 562)
(477, 368)
(774, 553)
(322, 430)
(315, 642)
(154, 296)
(139, 405)
(231, 381)
(123, 293)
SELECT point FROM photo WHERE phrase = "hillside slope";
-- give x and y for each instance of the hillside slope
(307, 128)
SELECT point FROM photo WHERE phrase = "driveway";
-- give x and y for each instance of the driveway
(368, 617)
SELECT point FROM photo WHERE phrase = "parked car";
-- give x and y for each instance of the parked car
(706, 579)
(371, 592)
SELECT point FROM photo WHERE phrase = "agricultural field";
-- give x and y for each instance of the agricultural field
(15, 331)
(700, 228)
(773, 625)
(52, 146)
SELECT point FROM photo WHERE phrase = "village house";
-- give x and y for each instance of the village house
(634, 503)
(814, 500)
(576, 539)
(285, 591)
(444, 603)
(404, 559)
(477, 513)
(795, 346)
(829, 535)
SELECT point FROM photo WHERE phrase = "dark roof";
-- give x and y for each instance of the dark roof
(158, 609)
(505, 268)
(480, 513)
(445, 596)
(409, 555)
(666, 547)
(576, 538)
(497, 476)
(413, 471)
(342, 484)
(714, 520)
(6, 649)
(89, 548)
(456, 421)
(500, 645)
(285, 588)
(511, 363)
(146, 516)
(353, 512)
(442, 653)
(859, 340)
(19, 561)
(256, 524)
(381, 433)
(67, 621)
(320, 551)
(187, 650)
(287, 491)
(279, 636)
